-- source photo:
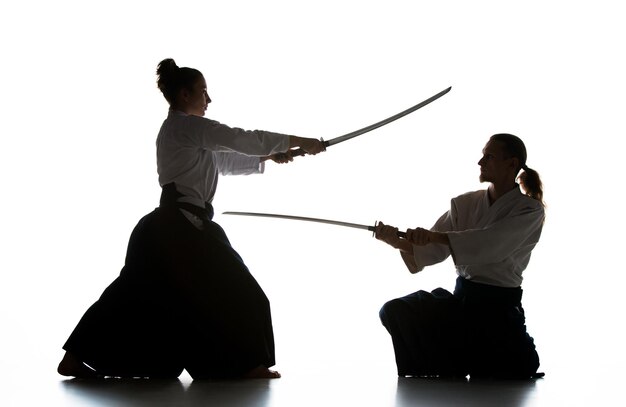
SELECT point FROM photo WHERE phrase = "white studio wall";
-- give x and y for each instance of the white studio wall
(81, 112)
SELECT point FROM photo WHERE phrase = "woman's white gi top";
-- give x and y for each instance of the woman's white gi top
(490, 244)
(192, 150)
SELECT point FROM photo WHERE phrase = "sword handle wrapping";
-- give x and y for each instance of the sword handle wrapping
(373, 230)
(298, 152)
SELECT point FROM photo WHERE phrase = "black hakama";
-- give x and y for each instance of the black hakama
(183, 300)
(479, 330)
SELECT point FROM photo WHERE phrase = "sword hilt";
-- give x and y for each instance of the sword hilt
(298, 152)
(373, 229)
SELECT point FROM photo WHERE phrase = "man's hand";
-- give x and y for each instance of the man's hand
(422, 237)
(388, 234)
(418, 236)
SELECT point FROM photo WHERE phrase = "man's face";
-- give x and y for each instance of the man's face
(494, 165)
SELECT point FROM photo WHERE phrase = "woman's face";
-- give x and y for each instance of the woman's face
(197, 98)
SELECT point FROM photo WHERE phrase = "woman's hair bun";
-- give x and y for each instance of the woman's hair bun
(167, 66)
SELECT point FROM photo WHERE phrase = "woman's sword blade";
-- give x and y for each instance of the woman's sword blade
(381, 123)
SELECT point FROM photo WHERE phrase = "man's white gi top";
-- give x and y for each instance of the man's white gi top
(490, 244)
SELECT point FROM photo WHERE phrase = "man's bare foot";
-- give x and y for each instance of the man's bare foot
(261, 372)
(71, 366)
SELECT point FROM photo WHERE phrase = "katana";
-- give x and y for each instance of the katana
(307, 219)
(337, 140)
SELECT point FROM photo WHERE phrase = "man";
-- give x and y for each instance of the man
(479, 329)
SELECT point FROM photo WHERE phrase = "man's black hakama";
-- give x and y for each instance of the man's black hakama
(183, 300)
(479, 330)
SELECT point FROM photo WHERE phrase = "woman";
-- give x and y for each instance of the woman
(480, 329)
(184, 298)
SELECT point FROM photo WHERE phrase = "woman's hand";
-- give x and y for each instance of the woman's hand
(313, 146)
(280, 158)
(308, 145)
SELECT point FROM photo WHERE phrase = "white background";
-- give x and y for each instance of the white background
(80, 113)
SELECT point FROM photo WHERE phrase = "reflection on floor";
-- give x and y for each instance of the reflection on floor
(340, 384)
(347, 391)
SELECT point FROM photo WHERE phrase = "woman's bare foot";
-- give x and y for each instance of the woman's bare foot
(261, 372)
(71, 366)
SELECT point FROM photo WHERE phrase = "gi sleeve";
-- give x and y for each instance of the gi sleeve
(219, 137)
(433, 253)
(238, 164)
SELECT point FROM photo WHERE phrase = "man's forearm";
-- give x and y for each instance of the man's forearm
(439, 237)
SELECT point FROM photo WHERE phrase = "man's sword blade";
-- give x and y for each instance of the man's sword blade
(381, 123)
(302, 218)
(307, 219)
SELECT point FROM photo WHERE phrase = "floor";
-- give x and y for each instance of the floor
(337, 384)
(331, 348)
(324, 366)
